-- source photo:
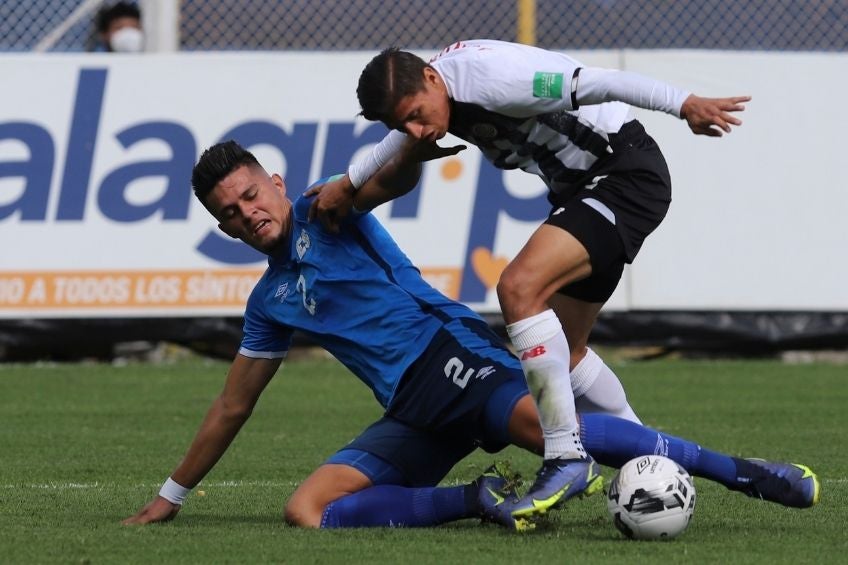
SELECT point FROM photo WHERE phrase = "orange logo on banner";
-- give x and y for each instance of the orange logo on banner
(488, 267)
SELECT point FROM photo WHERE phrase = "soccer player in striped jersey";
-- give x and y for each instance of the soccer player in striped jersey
(548, 114)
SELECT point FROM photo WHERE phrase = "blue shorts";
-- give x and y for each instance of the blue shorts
(458, 396)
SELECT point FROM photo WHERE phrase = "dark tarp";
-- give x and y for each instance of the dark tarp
(752, 333)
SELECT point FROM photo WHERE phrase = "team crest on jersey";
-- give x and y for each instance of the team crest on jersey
(282, 291)
(484, 131)
(302, 244)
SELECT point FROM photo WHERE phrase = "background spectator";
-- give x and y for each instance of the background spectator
(119, 28)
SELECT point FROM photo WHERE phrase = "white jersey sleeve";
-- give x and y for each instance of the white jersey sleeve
(596, 86)
(522, 81)
(360, 171)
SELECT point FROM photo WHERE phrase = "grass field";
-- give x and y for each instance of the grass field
(83, 446)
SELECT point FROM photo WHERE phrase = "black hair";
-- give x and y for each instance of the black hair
(216, 163)
(108, 14)
(386, 79)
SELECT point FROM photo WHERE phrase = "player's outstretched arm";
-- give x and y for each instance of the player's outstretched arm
(712, 116)
(401, 153)
(401, 174)
(705, 116)
(246, 380)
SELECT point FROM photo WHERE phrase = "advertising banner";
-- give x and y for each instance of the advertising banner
(97, 218)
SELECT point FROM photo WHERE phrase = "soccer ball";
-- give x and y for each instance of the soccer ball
(651, 497)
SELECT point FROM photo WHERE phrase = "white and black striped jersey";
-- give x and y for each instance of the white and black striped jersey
(542, 111)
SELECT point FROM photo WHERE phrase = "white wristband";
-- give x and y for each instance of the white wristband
(174, 492)
(360, 171)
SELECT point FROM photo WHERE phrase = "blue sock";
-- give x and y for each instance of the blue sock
(395, 506)
(613, 442)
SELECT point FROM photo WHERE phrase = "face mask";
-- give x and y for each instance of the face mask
(127, 40)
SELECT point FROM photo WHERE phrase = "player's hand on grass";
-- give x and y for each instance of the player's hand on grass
(333, 202)
(157, 510)
(712, 116)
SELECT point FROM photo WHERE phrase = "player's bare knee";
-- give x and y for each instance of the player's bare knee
(517, 295)
(302, 513)
(507, 285)
(304, 509)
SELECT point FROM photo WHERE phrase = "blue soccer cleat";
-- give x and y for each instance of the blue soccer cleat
(788, 484)
(497, 495)
(556, 482)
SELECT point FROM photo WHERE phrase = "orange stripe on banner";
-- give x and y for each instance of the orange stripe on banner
(75, 290)
(126, 289)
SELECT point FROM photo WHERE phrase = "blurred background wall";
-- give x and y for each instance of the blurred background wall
(102, 243)
(782, 25)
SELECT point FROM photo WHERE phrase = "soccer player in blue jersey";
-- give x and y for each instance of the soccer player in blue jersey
(447, 382)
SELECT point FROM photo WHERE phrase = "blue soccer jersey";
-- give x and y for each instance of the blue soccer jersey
(354, 293)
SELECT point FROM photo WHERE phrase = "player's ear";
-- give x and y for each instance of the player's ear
(434, 80)
(429, 75)
(279, 183)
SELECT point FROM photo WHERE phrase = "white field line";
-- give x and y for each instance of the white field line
(99, 485)
(220, 484)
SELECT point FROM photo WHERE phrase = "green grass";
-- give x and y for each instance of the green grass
(84, 446)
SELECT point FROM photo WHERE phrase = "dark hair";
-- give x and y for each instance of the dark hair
(388, 77)
(108, 14)
(216, 163)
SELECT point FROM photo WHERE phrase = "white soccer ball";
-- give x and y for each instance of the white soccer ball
(651, 497)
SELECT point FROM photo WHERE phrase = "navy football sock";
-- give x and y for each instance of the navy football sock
(395, 506)
(613, 442)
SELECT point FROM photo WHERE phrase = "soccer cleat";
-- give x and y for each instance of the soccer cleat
(556, 482)
(497, 494)
(788, 484)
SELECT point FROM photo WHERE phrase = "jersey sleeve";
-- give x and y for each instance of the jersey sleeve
(596, 86)
(262, 338)
(510, 79)
(363, 169)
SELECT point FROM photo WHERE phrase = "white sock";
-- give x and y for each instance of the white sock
(543, 351)
(597, 389)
